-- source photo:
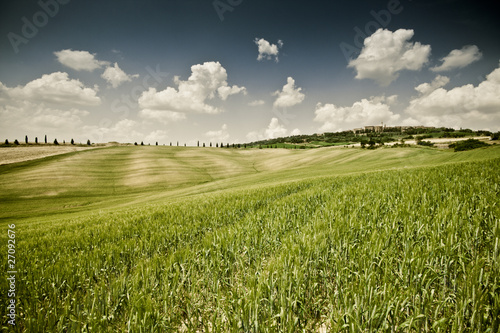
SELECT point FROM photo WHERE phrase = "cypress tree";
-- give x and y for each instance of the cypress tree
(55, 142)
(36, 140)
(88, 143)
(45, 138)
(26, 139)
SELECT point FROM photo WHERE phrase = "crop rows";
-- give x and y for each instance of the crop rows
(408, 250)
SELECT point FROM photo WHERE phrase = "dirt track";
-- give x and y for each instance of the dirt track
(26, 153)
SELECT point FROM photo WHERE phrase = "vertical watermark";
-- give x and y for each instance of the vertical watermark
(40, 19)
(11, 274)
(223, 6)
(381, 19)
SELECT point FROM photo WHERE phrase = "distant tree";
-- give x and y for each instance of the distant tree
(45, 138)
(157, 143)
(239, 146)
(222, 145)
(88, 143)
(72, 141)
(245, 145)
(26, 139)
(184, 145)
(217, 145)
(64, 142)
(203, 144)
(468, 145)
(210, 144)
(142, 143)
(198, 144)
(177, 143)
(170, 144)
(6, 141)
(16, 142)
(135, 143)
(363, 144)
(260, 146)
(55, 142)
(495, 136)
(36, 140)
(227, 145)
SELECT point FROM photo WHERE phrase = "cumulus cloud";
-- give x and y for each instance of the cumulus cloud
(164, 117)
(257, 103)
(123, 131)
(156, 136)
(36, 119)
(226, 91)
(116, 76)
(386, 53)
(79, 60)
(51, 102)
(464, 106)
(459, 58)
(206, 81)
(218, 136)
(438, 82)
(273, 130)
(289, 95)
(365, 112)
(55, 88)
(267, 50)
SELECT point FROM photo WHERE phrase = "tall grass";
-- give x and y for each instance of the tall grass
(409, 250)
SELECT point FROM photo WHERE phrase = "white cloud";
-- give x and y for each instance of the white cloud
(218, 136)
(438, 82)
(268, 50)
(386, 53)
(116, 76)
(206, 80)
(164, 117)
(36, 119)
(47, 105)
(123, 131)
(362, 113)
(273, 130)
(464, 106)
(79, 60)
(459, 58)
(257, 103)
(226, 91)
(289, 95)
(156, 136)
(55, 88)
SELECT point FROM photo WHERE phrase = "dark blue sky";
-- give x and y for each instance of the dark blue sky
(173, 36)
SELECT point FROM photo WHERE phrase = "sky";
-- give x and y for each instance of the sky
(237, 71)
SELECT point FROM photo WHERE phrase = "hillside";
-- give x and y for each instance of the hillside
(166, 239)
(120, 176)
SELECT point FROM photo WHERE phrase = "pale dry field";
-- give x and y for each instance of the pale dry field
(26, 153)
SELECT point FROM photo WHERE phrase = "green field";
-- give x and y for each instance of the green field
(171, 239)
